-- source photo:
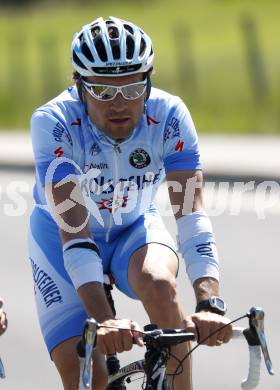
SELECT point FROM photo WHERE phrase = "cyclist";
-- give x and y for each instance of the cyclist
(3, 318)
(102, 148)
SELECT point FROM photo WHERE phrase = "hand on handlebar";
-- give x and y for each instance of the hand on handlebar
(111, 339)
(3, 318)
(204, 323)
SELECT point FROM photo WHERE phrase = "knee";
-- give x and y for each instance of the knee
(157, 289)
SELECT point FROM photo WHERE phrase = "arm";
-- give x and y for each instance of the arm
(91, 292)
(75, 217)
(188, 199)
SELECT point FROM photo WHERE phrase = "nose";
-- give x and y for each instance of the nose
(119, 101)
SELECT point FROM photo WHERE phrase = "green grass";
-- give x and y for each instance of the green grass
(209, 69)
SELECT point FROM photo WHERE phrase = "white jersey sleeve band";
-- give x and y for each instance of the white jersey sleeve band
(197, 245)
(82, 264)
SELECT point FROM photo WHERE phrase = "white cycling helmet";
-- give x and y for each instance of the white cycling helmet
(111, 47)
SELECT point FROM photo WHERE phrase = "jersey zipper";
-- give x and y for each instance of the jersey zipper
(117, 151)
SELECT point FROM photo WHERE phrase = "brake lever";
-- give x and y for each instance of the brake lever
(89, 337)
(256, 319)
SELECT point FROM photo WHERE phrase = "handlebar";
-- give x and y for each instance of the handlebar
(164, 338)
(257, 345)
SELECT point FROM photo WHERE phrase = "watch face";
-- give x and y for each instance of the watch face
(218, 303)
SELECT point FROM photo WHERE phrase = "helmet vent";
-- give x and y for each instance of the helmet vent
(115, 48)
(87, 52)
(77, 61)
(142, 47)
(100, 47)
(95, 31)
(128, 28)
(130, 47)
(113, 32)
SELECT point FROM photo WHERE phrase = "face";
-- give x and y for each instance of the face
(118, 117)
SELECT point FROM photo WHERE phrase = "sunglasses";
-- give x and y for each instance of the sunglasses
(109, 92)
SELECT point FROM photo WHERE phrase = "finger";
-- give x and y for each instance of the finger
(191, 326)
(219, 343)
(100, 344)
(228, 334)
(118, 340)
(3, 318)
(211, 341)
(127, 341)
(135, 329)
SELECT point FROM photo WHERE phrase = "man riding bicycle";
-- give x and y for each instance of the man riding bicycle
(102, 148)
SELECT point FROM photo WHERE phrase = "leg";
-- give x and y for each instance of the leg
(60, 311)
(67, 364)
(152, 275)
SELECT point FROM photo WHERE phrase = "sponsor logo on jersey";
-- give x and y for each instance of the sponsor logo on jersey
(59, 152)
(167, 134)
(77, 122)
(45, 285)
(139, 158)
(95, 149)
(173, 130)
(152, 121)
(174, 124)
(58, 132)
(100, 185)
(100, 166)
(179, 146)
(113, 204)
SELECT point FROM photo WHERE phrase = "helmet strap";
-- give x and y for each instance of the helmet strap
(149, 86)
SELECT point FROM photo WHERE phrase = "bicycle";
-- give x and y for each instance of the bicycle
(152, 369)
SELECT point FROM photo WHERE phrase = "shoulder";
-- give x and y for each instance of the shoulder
(61, 109)
(167, 108)
(162, 103)
(164, 98)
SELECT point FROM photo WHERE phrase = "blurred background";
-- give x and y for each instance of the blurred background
(221, 56)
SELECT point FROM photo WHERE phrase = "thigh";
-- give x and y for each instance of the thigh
(134, 243)
(60, 311)
(152, 262)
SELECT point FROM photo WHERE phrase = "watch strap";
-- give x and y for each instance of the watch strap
(206, 305)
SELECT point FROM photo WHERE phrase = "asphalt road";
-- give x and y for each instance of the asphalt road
(250, 276)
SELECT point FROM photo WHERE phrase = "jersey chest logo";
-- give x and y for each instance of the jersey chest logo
(139, 158)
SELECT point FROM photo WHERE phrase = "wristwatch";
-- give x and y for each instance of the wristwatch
(213, 304)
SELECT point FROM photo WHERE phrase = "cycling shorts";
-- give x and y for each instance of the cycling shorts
(60, 311)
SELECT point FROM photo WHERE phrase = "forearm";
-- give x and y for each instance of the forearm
(95, 301)
(205, 288)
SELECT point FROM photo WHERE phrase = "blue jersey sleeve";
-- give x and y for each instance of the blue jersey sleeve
(51, 140)
(180, 144)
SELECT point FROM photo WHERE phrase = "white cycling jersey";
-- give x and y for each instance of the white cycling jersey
(118, 180)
